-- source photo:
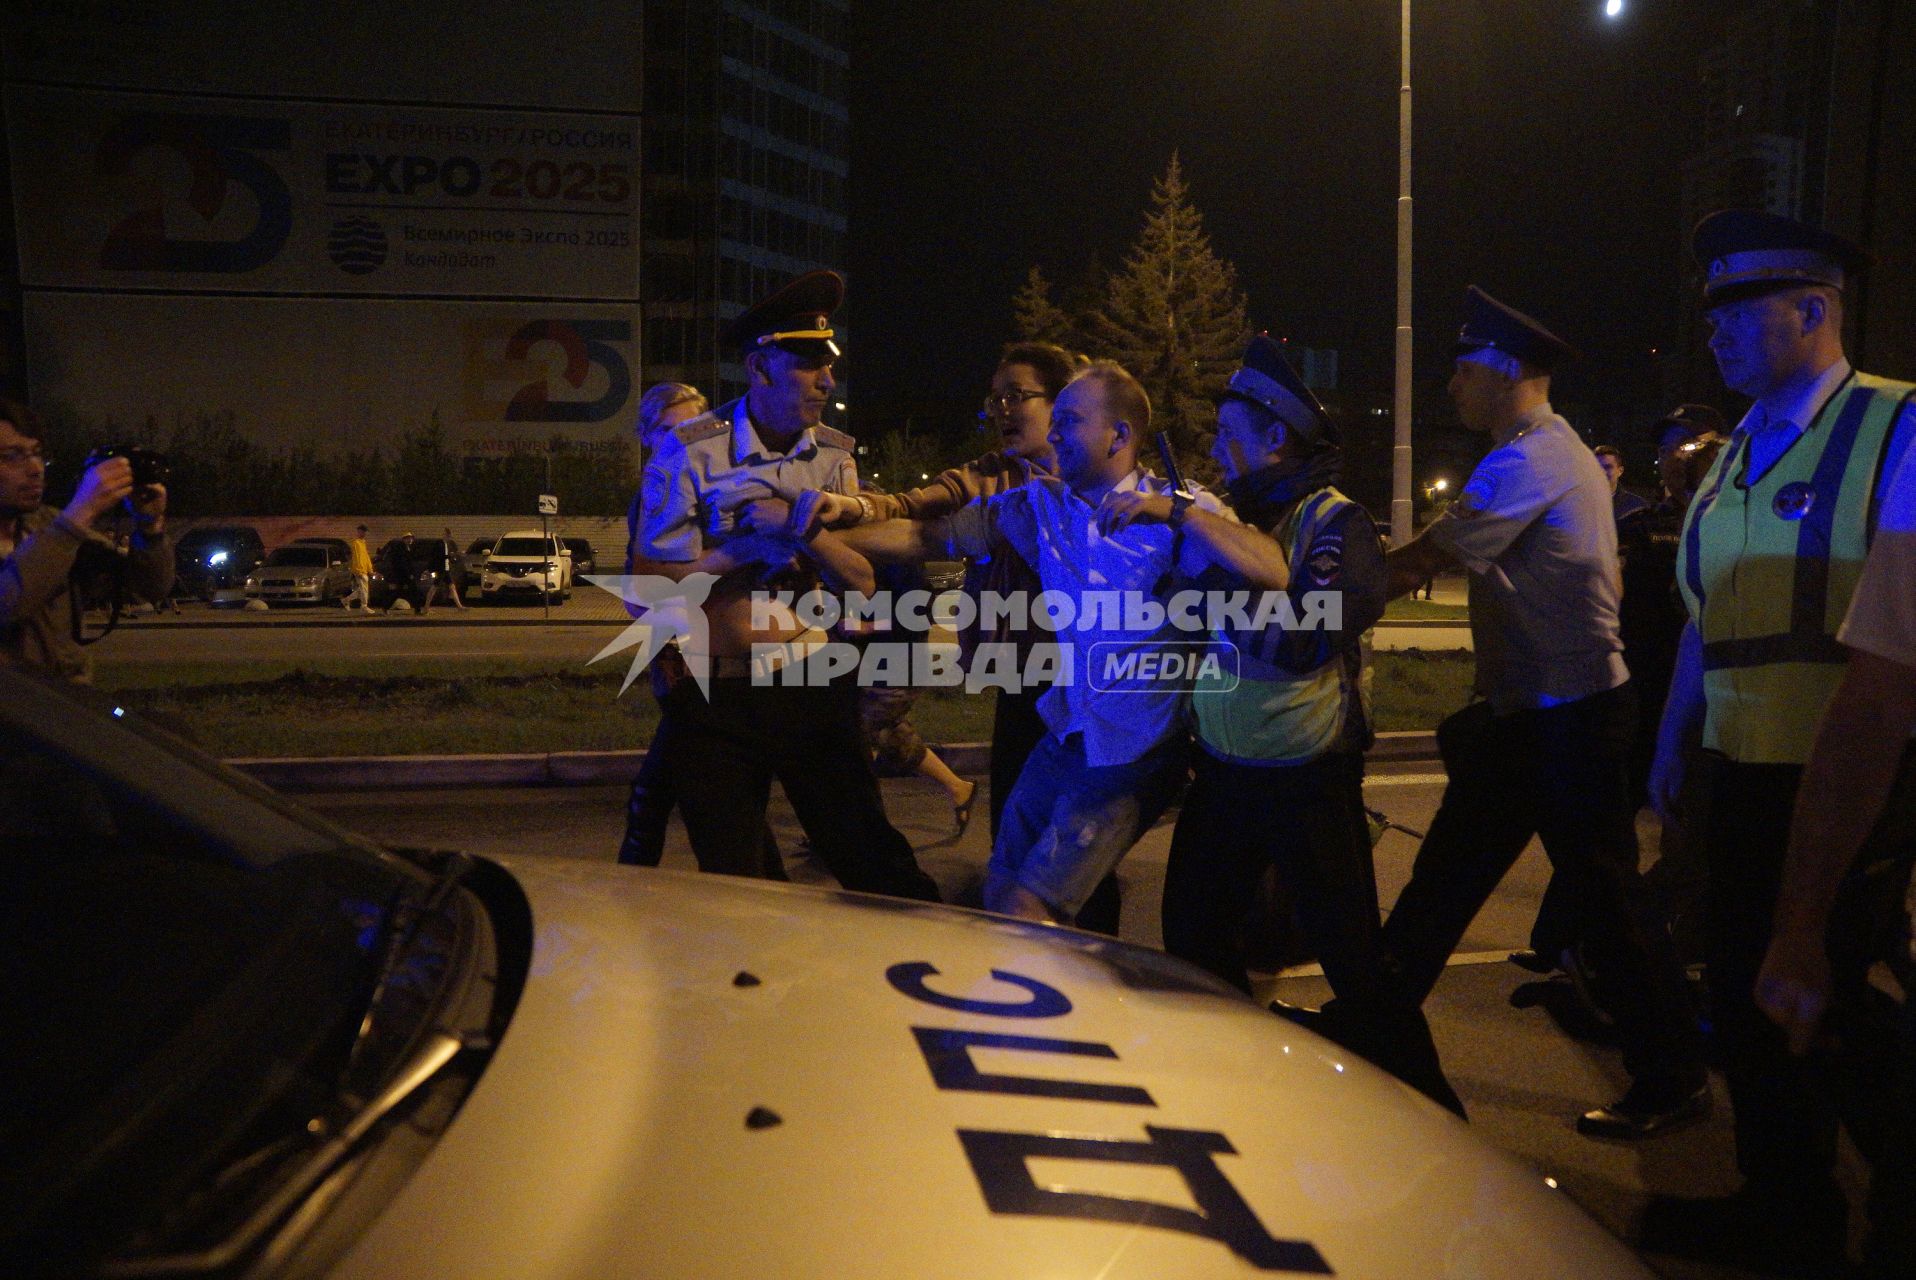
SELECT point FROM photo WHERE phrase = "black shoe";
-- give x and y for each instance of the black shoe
(1796, 1231)
(1583, 978)
(1322, 1021)
(1533, 961)
(1648, 1109)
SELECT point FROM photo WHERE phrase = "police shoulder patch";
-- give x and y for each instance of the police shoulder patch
(703, 427)
(834, 438)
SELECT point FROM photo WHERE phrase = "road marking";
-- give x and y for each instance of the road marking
(1460, 958)
(1406, 780)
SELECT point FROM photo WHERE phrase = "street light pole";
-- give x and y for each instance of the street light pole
(1400, 505)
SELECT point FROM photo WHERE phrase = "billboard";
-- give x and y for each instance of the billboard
(244, 196)
(501, 378)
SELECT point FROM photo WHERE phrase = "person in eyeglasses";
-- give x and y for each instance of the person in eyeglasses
(1017, 409)
(45, 551)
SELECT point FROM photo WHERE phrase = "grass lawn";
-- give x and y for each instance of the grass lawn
(1404, 609)
(408, 708)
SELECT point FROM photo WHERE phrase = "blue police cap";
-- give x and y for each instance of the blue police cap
(1686, 422)
(798, 318)
(1267, 380)
(1746, 252)
(1489, 324)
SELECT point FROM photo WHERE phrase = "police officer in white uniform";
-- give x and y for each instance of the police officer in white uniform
(1544, 750)
(724, 494)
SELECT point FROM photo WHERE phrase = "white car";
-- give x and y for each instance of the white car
(527, 563)
(260, 1045)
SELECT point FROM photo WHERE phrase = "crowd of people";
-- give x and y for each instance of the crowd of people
(1681, 652)
(1740, 655)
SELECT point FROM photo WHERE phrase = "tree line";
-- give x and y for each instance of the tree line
(217, 469)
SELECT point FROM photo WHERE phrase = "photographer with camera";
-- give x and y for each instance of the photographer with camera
(46, 553)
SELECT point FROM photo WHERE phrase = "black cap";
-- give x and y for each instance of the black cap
(1746, 252)
(1489, 324)
(1686, 422)
(798, 318)
(1266, 379)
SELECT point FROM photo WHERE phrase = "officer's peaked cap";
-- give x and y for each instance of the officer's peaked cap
(1490, 325)
(1686, 422)
(1747, 252)
(798, 317)
(1266, 379)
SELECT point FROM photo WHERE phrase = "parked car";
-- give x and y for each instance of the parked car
(527, 563)
(341, 545)
(301, 573)
(582, 558)
(427, 553)
(212, 562)
(261, 1044)
(475, 559)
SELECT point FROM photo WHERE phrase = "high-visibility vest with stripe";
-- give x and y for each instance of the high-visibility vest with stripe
(1273, 716)
(1767, 571)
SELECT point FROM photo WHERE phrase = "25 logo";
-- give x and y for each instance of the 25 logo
(586, 376)
(221, 155)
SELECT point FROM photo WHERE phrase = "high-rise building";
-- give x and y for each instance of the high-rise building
(747, 145)
(1801, 102)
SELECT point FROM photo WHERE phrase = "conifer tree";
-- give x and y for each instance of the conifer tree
(1036, 318)
(1173, 315)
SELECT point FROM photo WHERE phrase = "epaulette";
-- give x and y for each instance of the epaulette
(703, 427)
(835, 438)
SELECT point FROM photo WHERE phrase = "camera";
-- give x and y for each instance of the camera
(149, 465)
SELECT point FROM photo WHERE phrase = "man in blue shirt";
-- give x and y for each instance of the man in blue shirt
(1114, 751)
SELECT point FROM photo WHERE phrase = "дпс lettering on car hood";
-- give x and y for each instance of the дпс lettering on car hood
(709, 1076)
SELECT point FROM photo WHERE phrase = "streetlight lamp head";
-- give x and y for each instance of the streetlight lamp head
(1613, 8)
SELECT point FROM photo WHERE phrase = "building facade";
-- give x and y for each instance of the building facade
(747, 147)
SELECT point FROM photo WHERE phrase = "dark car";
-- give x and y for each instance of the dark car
(212, 561)
(428, 555)
(582, 561)
(476, 552)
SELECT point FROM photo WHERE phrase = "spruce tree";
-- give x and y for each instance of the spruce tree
(1173, 315)
(1036, 318)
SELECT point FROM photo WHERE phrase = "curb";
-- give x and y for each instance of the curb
(294, 624)
(596, 768)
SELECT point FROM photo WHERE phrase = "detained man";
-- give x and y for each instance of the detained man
(1113, 755)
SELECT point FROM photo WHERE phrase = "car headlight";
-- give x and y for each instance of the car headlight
(252, 582)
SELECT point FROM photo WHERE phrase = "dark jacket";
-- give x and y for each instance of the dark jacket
(40, 606)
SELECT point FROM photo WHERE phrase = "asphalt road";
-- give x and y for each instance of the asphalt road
(1523, 1079)
(201, 635)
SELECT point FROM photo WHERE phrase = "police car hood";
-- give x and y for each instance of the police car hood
(715, 1077)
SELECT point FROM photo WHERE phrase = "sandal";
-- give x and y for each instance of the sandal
(961, 812)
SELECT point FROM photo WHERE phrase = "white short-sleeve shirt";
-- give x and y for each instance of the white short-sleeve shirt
(1882, 613)
(1534, 527)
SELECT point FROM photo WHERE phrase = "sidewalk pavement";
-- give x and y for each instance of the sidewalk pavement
(599, 768)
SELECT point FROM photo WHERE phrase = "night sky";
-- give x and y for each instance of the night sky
(1549, 150)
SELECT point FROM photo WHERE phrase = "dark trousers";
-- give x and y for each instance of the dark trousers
(1559, 773)
(1016, 729)
(1307, 821)
(726, 751)
(648, 808)
(1787, 1108)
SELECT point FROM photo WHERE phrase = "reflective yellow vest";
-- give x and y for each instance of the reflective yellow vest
(1261, 714)
(1767, 571)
